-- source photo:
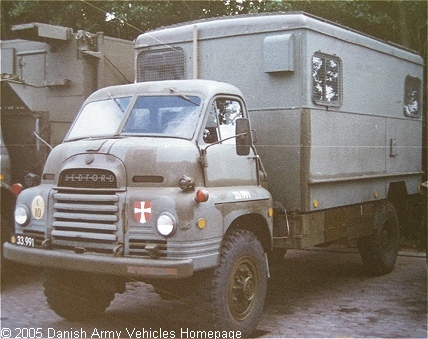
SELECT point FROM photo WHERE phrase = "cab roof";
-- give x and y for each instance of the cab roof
(203, 88)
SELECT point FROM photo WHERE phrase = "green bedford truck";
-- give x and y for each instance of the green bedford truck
(156, 181)
(160, 181)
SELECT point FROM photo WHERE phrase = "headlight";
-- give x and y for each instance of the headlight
(166, 224)
(22, 215)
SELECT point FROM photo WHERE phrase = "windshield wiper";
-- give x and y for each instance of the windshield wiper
(183, 96)
(116, 102)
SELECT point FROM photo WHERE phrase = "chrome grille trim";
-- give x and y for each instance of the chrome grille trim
(85, 221)
(82, 225)
(89, 217)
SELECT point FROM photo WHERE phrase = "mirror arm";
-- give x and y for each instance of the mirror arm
(260, 163)
(204, 151)
(203, 160)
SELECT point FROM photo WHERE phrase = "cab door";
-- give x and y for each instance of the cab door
(223, 166)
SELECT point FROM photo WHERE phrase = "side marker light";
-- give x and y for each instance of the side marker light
(202, 195)
(16, 189)
(202, 223)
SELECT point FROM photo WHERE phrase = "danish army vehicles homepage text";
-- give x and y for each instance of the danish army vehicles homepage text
(165, 181)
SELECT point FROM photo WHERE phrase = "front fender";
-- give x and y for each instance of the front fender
(254, 215)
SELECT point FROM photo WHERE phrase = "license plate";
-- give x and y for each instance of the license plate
(25, 240)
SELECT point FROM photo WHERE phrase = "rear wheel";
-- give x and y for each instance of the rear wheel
(72, 296)
(379, 250)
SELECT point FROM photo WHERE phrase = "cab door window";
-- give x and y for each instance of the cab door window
(223, 166)
(221, 120)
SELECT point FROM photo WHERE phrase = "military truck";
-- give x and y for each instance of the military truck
(47, 72)
(185, 182)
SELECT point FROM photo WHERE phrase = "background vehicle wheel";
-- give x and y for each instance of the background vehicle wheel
(379, 250)
(236, 290)
(71, 295)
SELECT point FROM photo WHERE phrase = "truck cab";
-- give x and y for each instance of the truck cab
(153, 181)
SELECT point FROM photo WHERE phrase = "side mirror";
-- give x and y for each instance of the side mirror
(243, 136)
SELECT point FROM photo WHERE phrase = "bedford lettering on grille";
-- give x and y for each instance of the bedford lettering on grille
(88, 178)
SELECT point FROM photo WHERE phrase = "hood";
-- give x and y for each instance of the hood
(136, 161)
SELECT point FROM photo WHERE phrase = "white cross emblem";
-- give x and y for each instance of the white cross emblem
(142, 211)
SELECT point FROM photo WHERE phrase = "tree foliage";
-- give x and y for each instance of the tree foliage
(402, 22)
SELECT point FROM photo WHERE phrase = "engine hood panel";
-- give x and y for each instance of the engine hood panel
(136, 161)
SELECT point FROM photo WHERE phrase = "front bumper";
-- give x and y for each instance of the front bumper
(140, 268)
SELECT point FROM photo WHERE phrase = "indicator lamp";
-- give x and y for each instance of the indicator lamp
(202, 195)
(201, 223)
(16, 189)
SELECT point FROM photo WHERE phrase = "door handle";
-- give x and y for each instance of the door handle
(392, 145)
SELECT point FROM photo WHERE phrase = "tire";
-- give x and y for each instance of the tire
(236, 290)
(379, 250)
(71, 295)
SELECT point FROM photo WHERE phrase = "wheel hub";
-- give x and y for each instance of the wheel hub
(243, 289)
(248, 288)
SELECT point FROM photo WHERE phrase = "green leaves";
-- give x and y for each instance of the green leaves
(402, 22)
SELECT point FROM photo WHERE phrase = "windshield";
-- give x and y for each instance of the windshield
(171, 116)
(174, 116)
(99, 119)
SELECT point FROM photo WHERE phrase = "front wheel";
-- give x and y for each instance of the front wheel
(237, 288)
(379, 250)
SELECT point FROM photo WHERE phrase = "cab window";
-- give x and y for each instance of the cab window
(221, 120)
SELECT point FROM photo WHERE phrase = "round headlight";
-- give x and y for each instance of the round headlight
(166, 224)
(22, 215)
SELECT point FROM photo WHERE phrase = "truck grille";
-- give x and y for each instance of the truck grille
(85, 222)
